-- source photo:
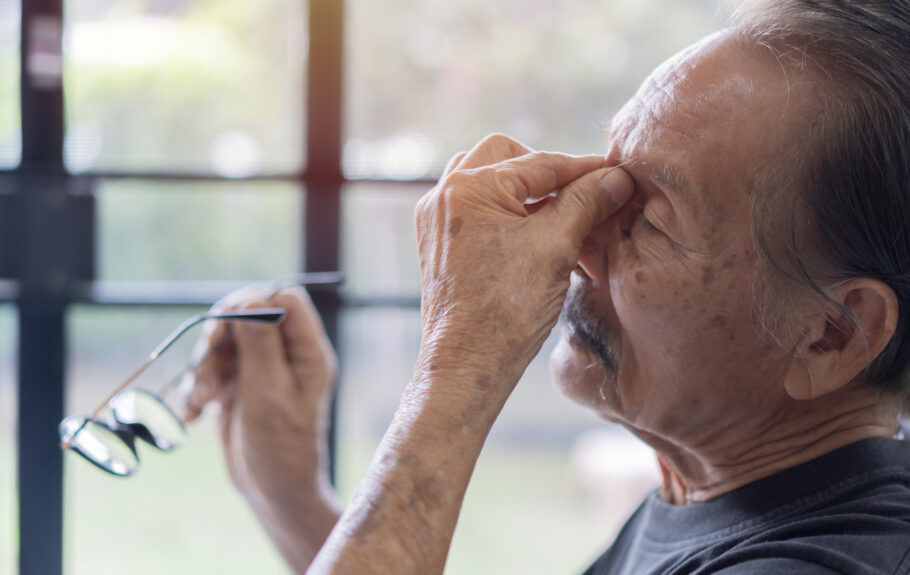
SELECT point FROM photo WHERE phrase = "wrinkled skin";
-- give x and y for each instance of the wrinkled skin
(661, 333)
(670, 278)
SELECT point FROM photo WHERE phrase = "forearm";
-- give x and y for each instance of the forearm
(298, 506)
(403, 516)
(299, 534)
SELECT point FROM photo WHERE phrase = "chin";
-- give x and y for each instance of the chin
(582, 377)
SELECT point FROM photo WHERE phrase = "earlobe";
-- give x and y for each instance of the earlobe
(839, 344)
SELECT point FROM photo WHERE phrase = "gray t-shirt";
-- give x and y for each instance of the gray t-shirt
(845, 512)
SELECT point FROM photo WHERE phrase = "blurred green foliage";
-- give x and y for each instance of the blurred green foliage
(199, 231)
(154, 84)
(548, 72)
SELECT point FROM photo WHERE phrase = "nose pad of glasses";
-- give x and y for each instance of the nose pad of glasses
(149, 418)
(105, 445)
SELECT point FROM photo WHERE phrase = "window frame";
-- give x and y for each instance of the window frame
(46, 273)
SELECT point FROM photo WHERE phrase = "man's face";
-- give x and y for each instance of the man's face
(660, 331)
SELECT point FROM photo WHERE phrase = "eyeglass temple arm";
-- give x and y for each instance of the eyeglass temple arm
(264, 315)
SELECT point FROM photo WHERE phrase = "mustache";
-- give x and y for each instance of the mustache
(590, 330)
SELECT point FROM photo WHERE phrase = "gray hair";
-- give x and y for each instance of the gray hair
(847, 214)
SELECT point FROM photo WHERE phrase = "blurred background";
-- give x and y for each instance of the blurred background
(156, 153)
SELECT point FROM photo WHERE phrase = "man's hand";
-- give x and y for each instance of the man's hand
(274, 387)
(495, 272)
(495, 269)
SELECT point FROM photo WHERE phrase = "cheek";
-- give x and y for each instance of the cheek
(674, 309)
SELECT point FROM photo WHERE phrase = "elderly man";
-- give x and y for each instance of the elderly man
(735, 278)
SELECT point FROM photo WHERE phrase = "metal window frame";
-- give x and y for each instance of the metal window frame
(43, 274)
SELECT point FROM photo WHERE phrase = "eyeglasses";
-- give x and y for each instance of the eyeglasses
(110, 443)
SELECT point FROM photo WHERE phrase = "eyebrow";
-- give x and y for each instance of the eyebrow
(671, 178)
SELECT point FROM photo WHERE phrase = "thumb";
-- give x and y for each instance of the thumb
(584, 203)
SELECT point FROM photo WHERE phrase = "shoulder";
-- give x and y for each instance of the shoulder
(863, 529)
(776, 565)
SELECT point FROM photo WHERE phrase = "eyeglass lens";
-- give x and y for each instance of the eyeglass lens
(151, 419)
(136, 413)
(101, 445)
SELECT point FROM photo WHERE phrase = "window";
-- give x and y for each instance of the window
(198, 86)
(184, 230)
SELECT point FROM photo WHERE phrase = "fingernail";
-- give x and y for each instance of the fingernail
(618, 184)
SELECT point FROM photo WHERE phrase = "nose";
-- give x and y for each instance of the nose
(603, 239)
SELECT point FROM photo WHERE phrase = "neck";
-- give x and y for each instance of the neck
(756, 449)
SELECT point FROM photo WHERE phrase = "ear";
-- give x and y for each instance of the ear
(834, 349)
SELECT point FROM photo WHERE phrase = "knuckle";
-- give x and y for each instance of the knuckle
(496, 139)
(290, 297)
(424, 206)
(503, 145)
(251, 304)
(458, 180)
(239, 298)
(455, 160)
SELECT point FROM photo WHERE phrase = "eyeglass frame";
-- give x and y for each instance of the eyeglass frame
(266, 315)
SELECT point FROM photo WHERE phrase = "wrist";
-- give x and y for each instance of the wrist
(445, 400)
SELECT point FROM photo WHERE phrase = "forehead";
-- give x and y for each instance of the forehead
(715, 114)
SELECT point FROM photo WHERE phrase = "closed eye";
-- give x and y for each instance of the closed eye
(646, 224)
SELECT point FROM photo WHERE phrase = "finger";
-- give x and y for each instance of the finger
(260, 351)
(587, 201)
(537, 175)
(304, 335)
(454, 163)
(237, 298)
(491, 150)
(214, 358)
(226, 401)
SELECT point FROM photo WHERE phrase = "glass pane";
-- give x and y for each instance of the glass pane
(378, 242)
(537, 486)
(9, 516)
(10, 122)
(185, 85)
(180, 512)
(428, 79)
(199, 231)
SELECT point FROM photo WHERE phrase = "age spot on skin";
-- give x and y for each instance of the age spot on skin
(730, 263)
(430, 491)
(640, 277)
(707, 275)
(718, 320)
(455, 226)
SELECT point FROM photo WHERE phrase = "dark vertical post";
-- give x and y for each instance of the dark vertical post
(40, 463)
(41, 307)
(323, 175)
